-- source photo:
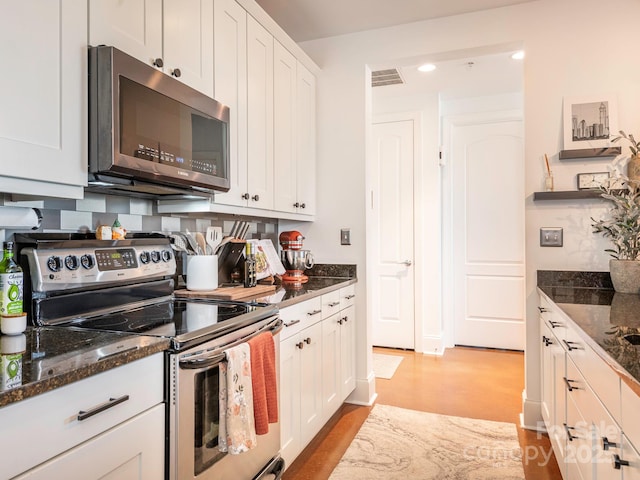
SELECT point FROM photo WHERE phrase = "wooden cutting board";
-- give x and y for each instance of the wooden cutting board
(228, 293)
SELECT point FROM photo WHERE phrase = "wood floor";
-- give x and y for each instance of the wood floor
(466, 382)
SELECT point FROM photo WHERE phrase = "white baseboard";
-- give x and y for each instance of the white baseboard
(432, 345)
(531, 416)
(365, 391)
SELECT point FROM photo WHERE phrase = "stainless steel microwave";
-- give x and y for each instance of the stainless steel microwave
(150, 135)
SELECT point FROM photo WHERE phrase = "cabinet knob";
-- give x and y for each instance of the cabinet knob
(300, 345)
(307, 341)
(158, 63)
(302, 205)
(176, 72)
(296, 205)
(606, 444)
(340, 321)
(255, 198)
(618, 462)
(246, 196)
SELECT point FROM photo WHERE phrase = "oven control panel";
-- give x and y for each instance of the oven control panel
(70, 268)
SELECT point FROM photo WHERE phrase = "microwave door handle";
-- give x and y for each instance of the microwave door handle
(199, 363)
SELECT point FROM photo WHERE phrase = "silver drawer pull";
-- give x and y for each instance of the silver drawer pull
(334, 304)
(349, 297)
(554, 324)
(291, 323)
(314, 312)
(542, 309)
(83, 415)
(570, 345)
(568, 429)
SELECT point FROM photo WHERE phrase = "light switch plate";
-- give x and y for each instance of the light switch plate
(551, 237)
(345, 236)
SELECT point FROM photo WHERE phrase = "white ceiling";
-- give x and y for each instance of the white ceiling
(492, 72)
(311, 19)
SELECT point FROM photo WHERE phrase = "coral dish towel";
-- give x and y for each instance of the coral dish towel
(265, 388)
(237, 432)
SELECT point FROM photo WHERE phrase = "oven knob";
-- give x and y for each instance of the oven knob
(87, 261)
(54, 264)
(166, 255)
(71, 262)
(144, 257)
(155, 256)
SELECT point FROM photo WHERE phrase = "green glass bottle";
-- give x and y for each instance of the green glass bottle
(11, 279)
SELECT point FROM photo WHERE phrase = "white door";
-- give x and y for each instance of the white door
(487, 197)
(393, 316)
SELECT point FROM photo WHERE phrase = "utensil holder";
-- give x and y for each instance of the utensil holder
(202, 272)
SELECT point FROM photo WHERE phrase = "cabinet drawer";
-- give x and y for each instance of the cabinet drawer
(550, 316)
(578, 454)
(347, 296)
(601, 378)
(630, 411)
(299, 316)
(49, 424)
(330, 303)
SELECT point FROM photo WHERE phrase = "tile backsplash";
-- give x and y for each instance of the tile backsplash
(134, 214)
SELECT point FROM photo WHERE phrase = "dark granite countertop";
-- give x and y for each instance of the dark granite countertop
(323, 278)
(46, 358)
(604, 317)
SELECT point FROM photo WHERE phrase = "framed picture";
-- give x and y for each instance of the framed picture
(589, 121)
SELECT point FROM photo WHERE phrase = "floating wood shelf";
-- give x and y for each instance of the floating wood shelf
(590, 153)
(567, 195)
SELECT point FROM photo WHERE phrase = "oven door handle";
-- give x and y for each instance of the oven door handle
(209, 361)
(199, 363)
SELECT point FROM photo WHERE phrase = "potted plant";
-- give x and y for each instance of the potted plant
(622, 227)
(633, 167)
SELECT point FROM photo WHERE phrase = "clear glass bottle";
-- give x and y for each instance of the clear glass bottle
(11, 279)
(249, 267)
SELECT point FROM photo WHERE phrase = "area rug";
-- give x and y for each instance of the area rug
(396, 443)
(384, 366)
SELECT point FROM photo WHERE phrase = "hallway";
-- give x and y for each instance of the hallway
(466, 382)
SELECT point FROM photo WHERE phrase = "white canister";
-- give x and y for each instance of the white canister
(13, 324)
(202, 272)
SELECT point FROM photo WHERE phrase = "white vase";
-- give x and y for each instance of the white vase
(625, 275)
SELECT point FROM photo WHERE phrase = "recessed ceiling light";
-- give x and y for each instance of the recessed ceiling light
(518, 55)
(427, 67)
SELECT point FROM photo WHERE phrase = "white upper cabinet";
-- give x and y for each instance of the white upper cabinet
(230, 53)
(284, 116)
(306, 141)
(259, 115)
(175, 36)
(43, 125)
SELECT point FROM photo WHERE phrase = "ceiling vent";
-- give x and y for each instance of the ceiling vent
(390, 76)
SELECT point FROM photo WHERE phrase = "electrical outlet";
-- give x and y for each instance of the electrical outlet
(551, 237)
(345, 236)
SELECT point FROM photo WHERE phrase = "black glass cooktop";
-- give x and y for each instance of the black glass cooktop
(181, 320)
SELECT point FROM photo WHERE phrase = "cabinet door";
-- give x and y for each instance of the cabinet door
(311, 382)
(331, 365)
(306, 138)
(284, 128)
(133, 27)
(43, 125)
(347, 351)
(260, 115)
(290, 386)
(188, 42)
(230, 88)
(134, 450)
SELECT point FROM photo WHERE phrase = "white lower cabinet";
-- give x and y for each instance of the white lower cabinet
(107, 426)
(317, 367)
(131, 451)
(585, 406)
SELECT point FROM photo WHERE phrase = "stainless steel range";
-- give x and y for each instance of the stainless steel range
(74, 280)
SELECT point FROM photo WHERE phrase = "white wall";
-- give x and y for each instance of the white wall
(573, 47)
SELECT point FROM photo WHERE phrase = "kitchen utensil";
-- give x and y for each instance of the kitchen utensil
(245, 230)
(191, 241)
(179, 244)
(202, 244)
(213, 237)
(234, 229)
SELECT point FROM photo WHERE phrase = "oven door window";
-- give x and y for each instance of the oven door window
(207, 419)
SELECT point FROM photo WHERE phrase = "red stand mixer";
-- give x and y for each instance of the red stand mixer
(294, 259)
